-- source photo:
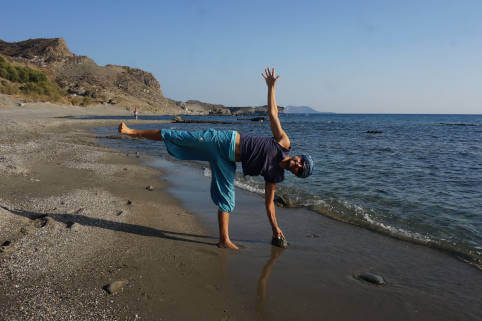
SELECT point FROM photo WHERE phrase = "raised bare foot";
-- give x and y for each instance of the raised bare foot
(227, 245)
(123, 129)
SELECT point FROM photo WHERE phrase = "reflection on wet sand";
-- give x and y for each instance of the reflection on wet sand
(263, 278)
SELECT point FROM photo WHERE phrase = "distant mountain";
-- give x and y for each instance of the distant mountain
(301, 110)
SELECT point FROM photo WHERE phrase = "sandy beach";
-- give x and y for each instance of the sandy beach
(76, 217)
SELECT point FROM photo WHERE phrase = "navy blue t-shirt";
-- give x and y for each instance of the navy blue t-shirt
(261, 156)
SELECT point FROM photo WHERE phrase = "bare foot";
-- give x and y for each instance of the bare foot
(227, 245)
(123, 129)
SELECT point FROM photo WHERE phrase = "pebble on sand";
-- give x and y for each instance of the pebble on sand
(150, 188)
(115, 286)
(372, 278)
(73, 226)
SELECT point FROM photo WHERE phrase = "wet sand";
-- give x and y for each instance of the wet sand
(65, 213)
(315, 277)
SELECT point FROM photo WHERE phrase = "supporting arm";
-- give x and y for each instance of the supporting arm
(269, 189)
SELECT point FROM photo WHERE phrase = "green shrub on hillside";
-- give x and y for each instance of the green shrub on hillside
(35, 83)
(80, 101)
(8, 88)
(43, 88)
(20, 74)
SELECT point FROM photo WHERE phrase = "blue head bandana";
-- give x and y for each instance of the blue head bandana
(308, 166)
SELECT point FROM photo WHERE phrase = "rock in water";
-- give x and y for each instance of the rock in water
(279, 242)
(372, 278)
(312, 236)
(115, 286)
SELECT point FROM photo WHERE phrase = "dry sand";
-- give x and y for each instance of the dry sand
(75, 217)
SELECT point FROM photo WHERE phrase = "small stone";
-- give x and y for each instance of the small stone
(75, 227)
(119, 213)
(41, 221)
(6, 243)
(129, 202)
(150, 188)
(115, 286)
(372, 278)
(279, 242)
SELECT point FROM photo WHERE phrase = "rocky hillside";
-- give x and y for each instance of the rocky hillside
(80, 76)
(85, 82)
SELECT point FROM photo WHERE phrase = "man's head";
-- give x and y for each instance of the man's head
(301, 165)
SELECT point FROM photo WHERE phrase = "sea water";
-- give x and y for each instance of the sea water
(414, 177)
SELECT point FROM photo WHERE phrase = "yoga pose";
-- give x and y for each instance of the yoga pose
(265, 156)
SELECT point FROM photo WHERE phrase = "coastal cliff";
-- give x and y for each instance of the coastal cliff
(76, 79)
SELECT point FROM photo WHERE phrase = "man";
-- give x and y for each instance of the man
(265, 156)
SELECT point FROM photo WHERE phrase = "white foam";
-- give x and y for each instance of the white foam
(248, 187)
(207, 172)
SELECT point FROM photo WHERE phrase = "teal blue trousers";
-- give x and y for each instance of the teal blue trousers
(214, 146)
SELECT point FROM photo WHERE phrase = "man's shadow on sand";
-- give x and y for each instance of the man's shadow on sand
(70, 219)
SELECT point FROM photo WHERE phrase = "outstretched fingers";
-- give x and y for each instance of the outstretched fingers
(269, 74)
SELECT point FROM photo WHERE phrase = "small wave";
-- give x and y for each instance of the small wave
(207, 172)
(469, 255)
(248, 187)
(460, 124)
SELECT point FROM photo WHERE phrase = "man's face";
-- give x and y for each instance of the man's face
(296, 165)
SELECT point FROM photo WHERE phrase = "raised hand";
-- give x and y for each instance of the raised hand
(269, 77)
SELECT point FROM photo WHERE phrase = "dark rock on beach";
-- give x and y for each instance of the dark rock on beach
(115, 286)
(312, 236)
(150, 188)
(371, 278)
(41, 221)
(284, 201)
(279, 242)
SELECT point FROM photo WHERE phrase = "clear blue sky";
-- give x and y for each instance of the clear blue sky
(343, 56)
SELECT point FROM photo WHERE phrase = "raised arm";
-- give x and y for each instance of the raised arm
(278, 132)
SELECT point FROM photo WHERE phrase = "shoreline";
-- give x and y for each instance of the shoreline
(168, 256)
(318, 271)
